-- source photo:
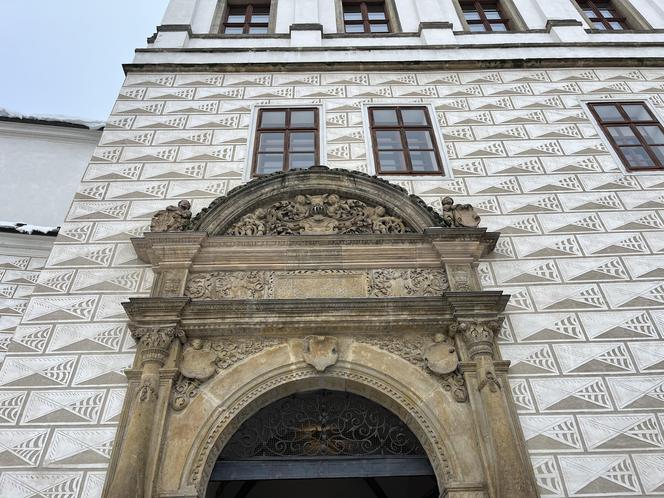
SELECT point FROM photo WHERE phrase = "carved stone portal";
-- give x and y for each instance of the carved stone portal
(386, 306)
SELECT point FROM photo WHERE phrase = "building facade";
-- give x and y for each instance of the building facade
(546, 117)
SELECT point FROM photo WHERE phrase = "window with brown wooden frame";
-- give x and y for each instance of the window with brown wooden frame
(603, 15)
(286, 139)
(484, 16)
(365, 17)
(403, 141)
(247, 19)
(634, 132)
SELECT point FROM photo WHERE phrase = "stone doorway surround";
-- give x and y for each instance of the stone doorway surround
(317, 279)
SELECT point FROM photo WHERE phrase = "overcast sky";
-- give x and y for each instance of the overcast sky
(65, 57)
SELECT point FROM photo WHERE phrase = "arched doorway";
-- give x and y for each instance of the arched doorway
(323, 444)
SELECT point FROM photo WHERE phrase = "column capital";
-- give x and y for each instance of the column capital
(478, 335)
(155, 342)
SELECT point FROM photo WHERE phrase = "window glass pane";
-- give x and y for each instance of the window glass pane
(599, 25)
(637, 112)
(269, 163)
(385, 117)
(623, 135)
(265, 10)
(659, 153)
(419, 140)
(271, 142)
(273, 119)
(258, 30)
(379, 28)
(608, 113)
(652, 134)
(388, 140)
(352, 13)
(498, 27)
(471, 15)
(491, 14)
(414, 117)
(606, 12)
(354, 28)
(391, 161)
(377, 16)
(477, 28)
(302, 141)
(303, 119)
(301, 160)
(260, 19)
(233, 31)
(616, 26)
(236, 19)
(423, 160)
(637, 157)
(589, 12)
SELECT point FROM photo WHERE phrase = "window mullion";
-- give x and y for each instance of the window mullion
(248, 12)
(406, 150)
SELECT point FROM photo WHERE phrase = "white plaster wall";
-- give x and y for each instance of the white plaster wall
(40, 170)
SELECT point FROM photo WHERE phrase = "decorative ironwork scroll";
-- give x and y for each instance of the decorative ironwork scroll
(322, 423)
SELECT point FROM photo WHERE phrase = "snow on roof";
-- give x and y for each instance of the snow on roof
(24, 228)
(7, 115)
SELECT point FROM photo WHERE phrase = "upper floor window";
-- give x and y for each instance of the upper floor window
(602, 15)
(247, 19)
(484, 15)
(286, 139)
(403, 141)
(365, 17)
(634, 133)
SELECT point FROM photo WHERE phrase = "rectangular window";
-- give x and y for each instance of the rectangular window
(634, 132)
(247, 19)
(403, 141)
(484, 15)
(286, 139)
(365, 17)
(602, 15)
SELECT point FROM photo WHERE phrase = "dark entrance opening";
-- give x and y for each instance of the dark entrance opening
(323, 444)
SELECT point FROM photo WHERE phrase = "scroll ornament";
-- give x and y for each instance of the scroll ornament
(156, 342)
(203, 359)
(434, 357)
(172, 219)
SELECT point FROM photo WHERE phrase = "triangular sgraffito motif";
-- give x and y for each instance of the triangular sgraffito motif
(597, 475)
(621, 432)
(550, 433)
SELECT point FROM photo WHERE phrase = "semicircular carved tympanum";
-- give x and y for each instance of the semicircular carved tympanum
(316, 201)
(318, 215)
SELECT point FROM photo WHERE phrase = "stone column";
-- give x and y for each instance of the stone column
(506, 461)
(130, 475)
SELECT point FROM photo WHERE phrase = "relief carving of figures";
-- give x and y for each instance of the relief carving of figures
(228, 285)
(417, 282)
(459, 215)
(434, 356)
(318, 214)
(203, 359)
(172, 219)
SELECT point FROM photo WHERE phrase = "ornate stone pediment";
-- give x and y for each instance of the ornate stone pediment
(316, 201)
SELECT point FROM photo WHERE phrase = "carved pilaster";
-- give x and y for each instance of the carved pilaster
(501, 441)
(155, 344)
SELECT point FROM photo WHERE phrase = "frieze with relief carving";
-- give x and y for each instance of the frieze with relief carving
(203, 359)
(379, 283)
(435, 355)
